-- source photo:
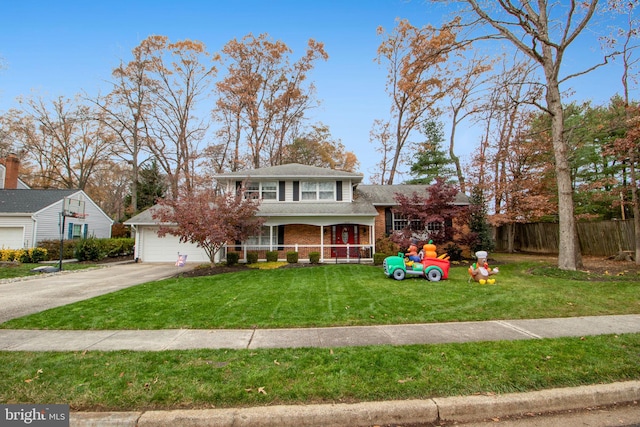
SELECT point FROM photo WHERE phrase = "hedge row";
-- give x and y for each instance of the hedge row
(91, 249)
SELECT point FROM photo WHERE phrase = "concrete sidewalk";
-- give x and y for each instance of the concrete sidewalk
(432, 333)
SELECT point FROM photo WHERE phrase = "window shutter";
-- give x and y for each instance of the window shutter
(70, 232)
(281, 191)
(238, 186)
(296, 191)
(388, 221)
(281, 237)
(86, 231)
(339, 191)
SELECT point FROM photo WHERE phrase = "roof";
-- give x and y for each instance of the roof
(355, 208)
(384, 195)
(295, 209)
(291, 170)
(144, 218)
(29, 200)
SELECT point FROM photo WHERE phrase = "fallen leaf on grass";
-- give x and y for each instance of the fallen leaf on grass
(261, 390)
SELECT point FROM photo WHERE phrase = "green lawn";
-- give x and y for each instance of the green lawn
(335, 295)
(325, 296)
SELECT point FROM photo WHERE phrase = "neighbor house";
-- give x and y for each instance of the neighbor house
(306, 209)
(29, 216)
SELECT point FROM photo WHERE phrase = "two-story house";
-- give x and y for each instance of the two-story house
(307, 209)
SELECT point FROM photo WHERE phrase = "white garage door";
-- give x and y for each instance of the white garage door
(166, 249)
(11, 237)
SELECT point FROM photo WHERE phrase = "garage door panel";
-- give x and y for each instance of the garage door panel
(167, 248)
(11, 237)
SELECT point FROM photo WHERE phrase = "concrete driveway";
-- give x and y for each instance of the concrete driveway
(31, 295)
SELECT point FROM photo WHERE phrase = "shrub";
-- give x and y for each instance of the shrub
(378, 257)
(38, 254)
(90, 249)
(386, 246)
(252, 257)
(272, 256)
(115, 247)
(10, 254)
(232, 258)
(53, 249)
(292, 257)
(119, 230)
(314, 257)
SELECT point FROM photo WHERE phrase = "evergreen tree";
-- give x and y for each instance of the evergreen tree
(152, 186)
(478, 223)
(431, 161)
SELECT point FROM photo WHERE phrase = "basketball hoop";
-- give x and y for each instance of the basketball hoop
(79, 215)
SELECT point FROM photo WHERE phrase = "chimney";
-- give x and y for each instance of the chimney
(12, 164)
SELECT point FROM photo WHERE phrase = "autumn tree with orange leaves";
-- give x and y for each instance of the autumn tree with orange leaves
(262, 100)
(416, 81)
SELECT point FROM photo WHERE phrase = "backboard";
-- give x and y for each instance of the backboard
(73, 207)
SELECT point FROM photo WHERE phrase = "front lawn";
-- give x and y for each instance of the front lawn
(324, 296)
(338, 295)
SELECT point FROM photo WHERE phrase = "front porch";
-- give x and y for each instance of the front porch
(339, 243)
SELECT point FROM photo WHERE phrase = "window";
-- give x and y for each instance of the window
(317, 190)
(77, 231)
(399, 223)
(262, 241)
(261, 190)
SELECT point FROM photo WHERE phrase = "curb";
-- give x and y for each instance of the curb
(459, 409)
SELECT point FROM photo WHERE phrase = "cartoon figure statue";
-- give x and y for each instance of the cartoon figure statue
(412, 254)
(480, 272)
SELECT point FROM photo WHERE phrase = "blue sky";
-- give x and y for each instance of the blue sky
(62, 48)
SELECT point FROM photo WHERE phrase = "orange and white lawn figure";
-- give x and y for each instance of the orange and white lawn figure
(480, 271)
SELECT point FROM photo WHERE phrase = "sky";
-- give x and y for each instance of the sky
(62, 48)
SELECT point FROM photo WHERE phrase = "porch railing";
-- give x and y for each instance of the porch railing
(328, 253)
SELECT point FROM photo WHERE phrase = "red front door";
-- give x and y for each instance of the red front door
(345, 234)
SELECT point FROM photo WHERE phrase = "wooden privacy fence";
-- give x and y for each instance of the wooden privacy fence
(603, 238)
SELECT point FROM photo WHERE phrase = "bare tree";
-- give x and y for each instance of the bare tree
(180, 76)
(543, 31)
(65, 140)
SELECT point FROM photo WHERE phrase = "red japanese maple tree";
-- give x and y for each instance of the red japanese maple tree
(435, 205)
(209, 220)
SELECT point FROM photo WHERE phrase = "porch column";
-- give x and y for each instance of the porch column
(322, 243)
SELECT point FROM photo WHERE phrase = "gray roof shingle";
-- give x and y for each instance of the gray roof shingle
(383, 195)
(30, 201)
(291, 170)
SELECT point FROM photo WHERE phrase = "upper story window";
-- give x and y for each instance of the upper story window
(317, 190)
(261, 190)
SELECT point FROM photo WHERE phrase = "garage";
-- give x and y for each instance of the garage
(11, 237)
(151, 248)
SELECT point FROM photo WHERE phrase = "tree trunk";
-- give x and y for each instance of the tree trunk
(569, 256)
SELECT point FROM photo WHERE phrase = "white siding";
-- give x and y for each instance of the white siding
(48, 228)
